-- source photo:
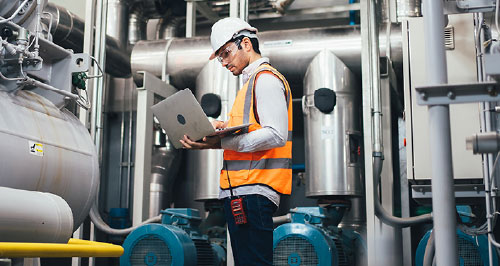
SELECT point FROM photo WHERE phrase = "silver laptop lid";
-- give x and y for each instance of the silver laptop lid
(181, 114)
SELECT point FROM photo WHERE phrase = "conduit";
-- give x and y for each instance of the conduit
(74, 248)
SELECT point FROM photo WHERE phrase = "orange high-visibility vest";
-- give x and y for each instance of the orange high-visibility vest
(272, 168)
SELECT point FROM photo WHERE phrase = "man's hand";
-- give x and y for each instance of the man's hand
(212, 142)
(219, 124)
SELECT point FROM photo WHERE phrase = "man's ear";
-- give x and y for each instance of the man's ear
(247, 44)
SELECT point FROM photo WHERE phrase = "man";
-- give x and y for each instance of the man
(257, 163)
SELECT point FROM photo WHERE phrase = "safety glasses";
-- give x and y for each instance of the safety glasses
(229, 51)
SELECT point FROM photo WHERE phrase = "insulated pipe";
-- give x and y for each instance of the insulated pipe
(74, 248)
(443, 198)
(291, 51)
(137, 27)
(382, 214)
(32, 216)
(117, 22)
(101, 225)
(68, 32)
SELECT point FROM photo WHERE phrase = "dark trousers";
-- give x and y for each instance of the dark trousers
(252, 243)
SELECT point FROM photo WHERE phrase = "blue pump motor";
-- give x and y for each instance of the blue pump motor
(472, 250)
(175, 242)
(313, 238)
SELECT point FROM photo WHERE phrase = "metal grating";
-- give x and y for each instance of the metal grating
(343, 260)
(295, 250)
(204, 252)
(468, 253)
(449, 37)
(150, 250)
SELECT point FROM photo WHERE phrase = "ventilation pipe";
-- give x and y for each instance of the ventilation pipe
(290, 51)
(68, 30)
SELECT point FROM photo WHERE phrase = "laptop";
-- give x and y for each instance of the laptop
(181, 114)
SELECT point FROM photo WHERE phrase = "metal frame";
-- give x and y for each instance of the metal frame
(151, 86)
(458, 93)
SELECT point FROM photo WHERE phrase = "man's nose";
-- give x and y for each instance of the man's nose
(224, 63)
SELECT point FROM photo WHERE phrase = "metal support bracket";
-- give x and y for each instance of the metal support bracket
(463, 192)
(151, 86)
(458, 93)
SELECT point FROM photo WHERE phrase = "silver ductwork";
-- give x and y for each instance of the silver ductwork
(205, 165)
(409, 8)
(165, 165)
(47, 149)
(68, 31)
(290, 51)
(332, 137)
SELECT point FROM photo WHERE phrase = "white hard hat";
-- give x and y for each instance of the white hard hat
(226, 29)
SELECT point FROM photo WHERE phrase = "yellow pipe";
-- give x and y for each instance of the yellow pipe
(74, 248)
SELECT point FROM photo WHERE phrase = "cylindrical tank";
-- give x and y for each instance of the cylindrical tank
(205, 165)
(32, 216)
(332, 132)
(290, 51)
(46, 149)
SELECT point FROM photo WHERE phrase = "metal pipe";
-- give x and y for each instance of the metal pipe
(101, 225)
(486, 122)
(408, 8)
(117, 23)
(98, 86)
(289, 50)
(68, 32)
(382, 214)
(137, 27)
(74, 248)
(168, 28)
(282, 219)
(443, 200)
(32, 216)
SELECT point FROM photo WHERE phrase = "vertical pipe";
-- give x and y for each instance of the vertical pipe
(190, 19)
(443, 198)
(244, 10)
(234, 8)
(129, 153)
(485, 106)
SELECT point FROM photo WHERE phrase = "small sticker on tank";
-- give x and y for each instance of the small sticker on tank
(327, 133)
(36, 148)
(279, 43)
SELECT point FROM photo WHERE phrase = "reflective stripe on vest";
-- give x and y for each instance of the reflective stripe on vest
(272, 168)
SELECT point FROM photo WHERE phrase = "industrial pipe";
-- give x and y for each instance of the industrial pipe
(74, 248)
(443, 198)
(488, 142)
(68, 32)
(291, 51)
(282, 219)
(382, 214)
(101, 225)
(32, 216)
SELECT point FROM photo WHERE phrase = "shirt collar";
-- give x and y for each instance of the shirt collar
(250, 69)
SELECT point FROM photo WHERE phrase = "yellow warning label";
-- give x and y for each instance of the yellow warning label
(36, 148)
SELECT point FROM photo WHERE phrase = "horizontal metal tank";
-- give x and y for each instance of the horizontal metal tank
(46, 149)
(205, 165)
(332, 137)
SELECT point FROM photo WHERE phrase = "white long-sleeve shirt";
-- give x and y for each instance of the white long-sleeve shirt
(273, 117)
